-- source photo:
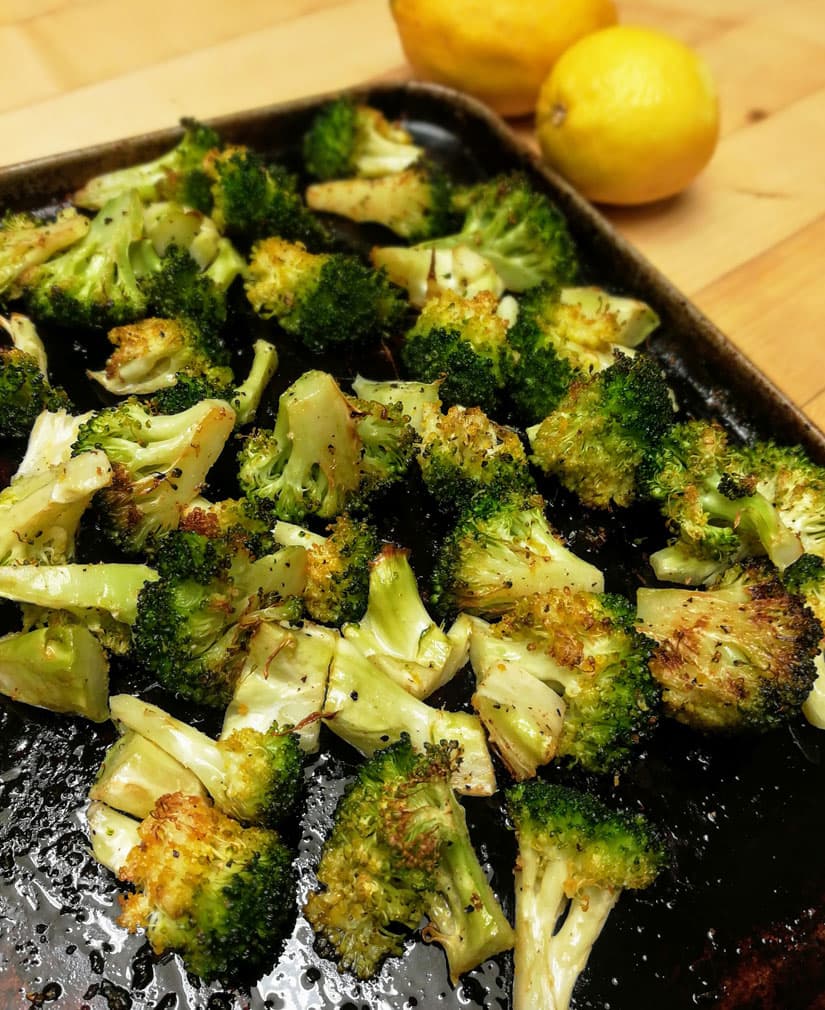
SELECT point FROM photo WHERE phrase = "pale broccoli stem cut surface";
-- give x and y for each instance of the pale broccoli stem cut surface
(51, 440)
(415, 398)
(426, 273)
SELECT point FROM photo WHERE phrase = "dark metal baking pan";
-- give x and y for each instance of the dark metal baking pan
(738, 923)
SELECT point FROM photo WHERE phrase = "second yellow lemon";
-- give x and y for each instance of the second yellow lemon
(498, 51)
(628, 115)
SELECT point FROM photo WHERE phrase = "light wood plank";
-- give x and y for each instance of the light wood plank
(26, 76)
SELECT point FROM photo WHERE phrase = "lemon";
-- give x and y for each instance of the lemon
(498, 51)
(628, 115)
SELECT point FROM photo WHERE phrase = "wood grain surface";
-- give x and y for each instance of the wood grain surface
(746, 241)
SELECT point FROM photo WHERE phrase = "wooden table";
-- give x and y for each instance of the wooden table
(746, 242)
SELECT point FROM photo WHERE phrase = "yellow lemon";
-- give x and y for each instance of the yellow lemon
(500, 50)
(628, 115)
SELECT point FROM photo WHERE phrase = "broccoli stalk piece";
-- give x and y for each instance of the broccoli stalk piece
(193, 625)
(283, 681)
(415, 399)
(159, 462)
(347, 139)
(517, 229)
(27, 241)
(806, 578)
(175, 175)
(398, 634)
(732, 659)
(60, 667)
(24, 337)
(324, 299)
(94, 283)
(368, 710)
(464, 453)
(416, 204)
(40, 513)
(501, 549)
(575, 858)
(251, 775)
(50, 441)
(135, 773)
(169, 226)
(708, 493)
(204, 886)
(603, 428)
(246, 398)
(426, 273)
(327, 453)
(400, 849)
(337, 567)
(585, 648)
(463, 341)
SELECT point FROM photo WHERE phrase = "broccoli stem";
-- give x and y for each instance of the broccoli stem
(756, 515)
(113, 834)
(813, 708)
(247, 397)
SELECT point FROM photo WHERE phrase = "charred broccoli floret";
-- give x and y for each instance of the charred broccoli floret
(400, 849)
(806, 578)
(602, 429)
(350, 139)
(575, 857)
(516, 228)
(327, 453)
(585, 648)
(219, 894)
(735, 658)
(27, 241)
(426, 273)
(501, 549)
(325, 299)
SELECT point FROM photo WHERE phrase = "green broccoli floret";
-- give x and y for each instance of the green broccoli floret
(326, 299)
(231, 519)
(602, 429)
(219, 894)
(584, 647)
(464, 453)
(177, 288)
(251, 775)
(400, 849)
(328, 452)
(27, 241)
(337, 567)
(416, 204)
(518, 229)
(501, 549)
(368, 709)
(707, 491)
(159, 464)
(176, 175)
(398, 634)
(60, 667)
(566, 333)
(193, 624)
(806, 578)
(24, 393)
(252, 200)
(347, 139)
(94, 283)
(463, 341)
(426, 273)
(414, 399)
(735, 658)
(575, 857)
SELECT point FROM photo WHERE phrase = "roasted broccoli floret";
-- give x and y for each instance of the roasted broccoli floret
(566, 333)
(400, 849)
(177, 288)
(27, 241)
(398, 634)
(337, 567)
(464, 453)
(25, 392)
(325, 299)
(806, 578)
(602, 429)
(585, 648)
(415, 399)
(159, 464)
(708, 493)
(347, 139)
(463, 341)
(416, 204)
(575, 857)
(229, 519)
(219, 894)
(518, 229)
(175, 175)
(328, 452)
(735, 658)
(501, 549)
(368, 709)
(426, 273)
(251, 775)
(60, 667)
(193, 624)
